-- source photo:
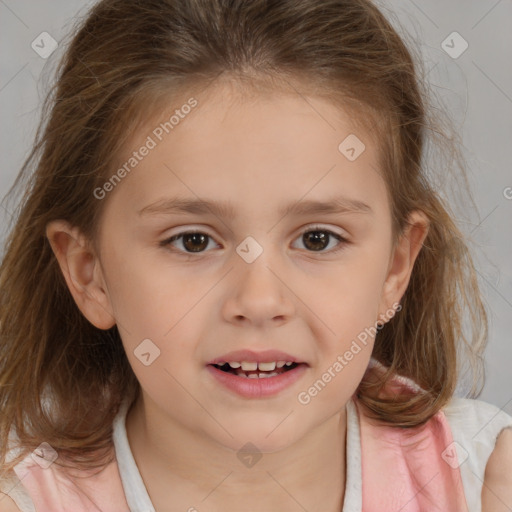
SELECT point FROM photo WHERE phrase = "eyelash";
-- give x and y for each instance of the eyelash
(342, 241)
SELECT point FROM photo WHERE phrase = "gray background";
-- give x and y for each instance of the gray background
(476, 89)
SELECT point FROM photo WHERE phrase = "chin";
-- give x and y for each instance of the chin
(268, 437)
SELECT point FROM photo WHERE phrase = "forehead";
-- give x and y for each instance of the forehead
(247, 148)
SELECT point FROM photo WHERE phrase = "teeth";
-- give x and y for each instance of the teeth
(240, 373)
(248, 366)
(264, 367)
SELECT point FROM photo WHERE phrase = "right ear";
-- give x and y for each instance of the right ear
(82, 271)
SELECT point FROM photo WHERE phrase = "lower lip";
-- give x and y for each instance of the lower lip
(257, 388)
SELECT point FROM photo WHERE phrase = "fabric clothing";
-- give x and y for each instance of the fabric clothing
(441, 467)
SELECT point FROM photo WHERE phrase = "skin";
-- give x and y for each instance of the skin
(497, 488)
(260, 154)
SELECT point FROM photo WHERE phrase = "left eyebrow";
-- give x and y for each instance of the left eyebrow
(226, 210)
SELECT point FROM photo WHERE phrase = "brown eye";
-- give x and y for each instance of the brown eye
(192, 242)
(319, 240)
(316, 240)
(195, 242)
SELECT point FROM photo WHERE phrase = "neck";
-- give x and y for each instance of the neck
(308, 475)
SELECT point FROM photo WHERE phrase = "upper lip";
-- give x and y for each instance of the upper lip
(265, 356)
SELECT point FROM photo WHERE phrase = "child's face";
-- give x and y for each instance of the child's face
(260, 156)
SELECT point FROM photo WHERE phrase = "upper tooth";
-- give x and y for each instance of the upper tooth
(264, 367)
(247, 366)
(267, 367)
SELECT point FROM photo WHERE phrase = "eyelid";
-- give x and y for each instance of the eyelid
(322, 227)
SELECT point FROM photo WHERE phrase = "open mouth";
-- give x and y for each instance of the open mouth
(258, 373)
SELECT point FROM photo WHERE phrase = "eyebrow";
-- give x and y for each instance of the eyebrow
(226, 210)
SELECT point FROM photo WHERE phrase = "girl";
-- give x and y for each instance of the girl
(231, 286)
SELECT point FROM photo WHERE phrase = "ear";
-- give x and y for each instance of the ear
(82, 271)
(402, 260)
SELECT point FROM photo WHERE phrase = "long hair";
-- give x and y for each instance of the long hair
(61, 379)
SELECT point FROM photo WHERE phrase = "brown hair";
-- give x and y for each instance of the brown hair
(61, 378)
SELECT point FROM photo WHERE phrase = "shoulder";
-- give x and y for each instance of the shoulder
(482, 437)
(13, 495)
(475, 420)
(497, 488)
(7, 504)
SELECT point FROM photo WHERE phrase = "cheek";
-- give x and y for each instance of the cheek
(345, 339)
(349, 297)
(347, 303)
(156, 302)
(147, 299)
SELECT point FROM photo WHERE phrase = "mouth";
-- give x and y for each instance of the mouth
(257, 374)
(252, 380)
(252, 370)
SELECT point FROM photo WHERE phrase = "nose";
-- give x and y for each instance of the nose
(258, 295)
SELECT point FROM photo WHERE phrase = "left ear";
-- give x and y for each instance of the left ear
(402, 261)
